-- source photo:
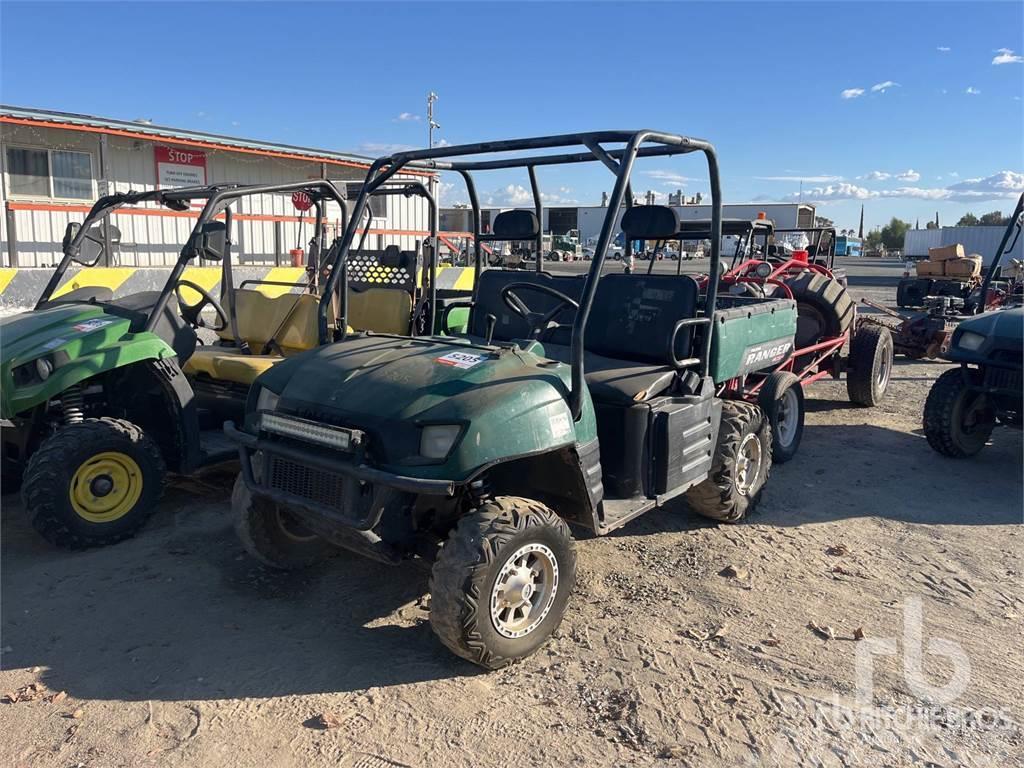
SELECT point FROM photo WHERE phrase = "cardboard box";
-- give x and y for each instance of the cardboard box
(965, 268)
(930, 269)
(955, 251)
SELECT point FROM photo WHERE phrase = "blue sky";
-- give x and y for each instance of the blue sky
(909, 108)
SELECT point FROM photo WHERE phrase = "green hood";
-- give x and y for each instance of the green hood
(80, 340)
(508, 401)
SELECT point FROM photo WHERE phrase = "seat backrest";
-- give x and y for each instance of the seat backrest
(509, 325)
(650, 222)
(260, 317)
(516, 225)
(633, 316)
(384, 310)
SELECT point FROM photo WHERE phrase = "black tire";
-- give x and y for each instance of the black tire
(467, 569)
(272, 535)
(71, 461)
(824, 307)
(782, 399)
(870, 365)
(721, 496)
(949, 399)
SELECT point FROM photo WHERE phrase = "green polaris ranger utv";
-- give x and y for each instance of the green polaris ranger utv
(101, 396)
(582, 400)
(966, 403)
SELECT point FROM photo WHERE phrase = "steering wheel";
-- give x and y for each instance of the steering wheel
(539, 321)
(191, 312)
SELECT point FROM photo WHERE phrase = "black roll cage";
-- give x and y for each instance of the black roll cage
(1013, 228)
(637, 143)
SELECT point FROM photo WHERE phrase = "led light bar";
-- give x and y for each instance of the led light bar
(311, 432)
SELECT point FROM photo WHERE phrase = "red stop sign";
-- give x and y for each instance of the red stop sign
(301, 200)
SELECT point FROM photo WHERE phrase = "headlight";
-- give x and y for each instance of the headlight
(266, 400)
(43, 368)
(970, 341)
(763, 269)
(436, 441)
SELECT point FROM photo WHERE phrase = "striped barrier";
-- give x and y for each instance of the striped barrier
(21, 288)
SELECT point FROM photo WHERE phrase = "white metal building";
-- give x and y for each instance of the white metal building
(981, 240)
(56, 164)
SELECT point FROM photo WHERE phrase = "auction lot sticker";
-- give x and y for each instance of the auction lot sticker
(460, 359)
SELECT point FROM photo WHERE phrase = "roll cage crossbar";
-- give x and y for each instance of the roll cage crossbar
(619, 161)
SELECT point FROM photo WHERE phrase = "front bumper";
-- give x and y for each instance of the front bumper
(309, 480)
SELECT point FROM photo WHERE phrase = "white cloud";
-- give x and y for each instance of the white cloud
(876, 176)
(376, 148)
(954, 174)
(669, 178)
(909, 175)
(1006, 56)
(406, 117)
(972, 91)
(851, 93)
(884, 86)
(1005, 184)
(811, 179)
(442, 143)
(943, 48)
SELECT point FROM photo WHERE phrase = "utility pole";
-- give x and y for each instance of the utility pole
(431, 125)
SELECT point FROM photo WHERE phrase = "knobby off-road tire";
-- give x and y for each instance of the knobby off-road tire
(475, 571)
(272, 535)
(93, 483)
(782, 400)
(734, 486)
(870, 365)
(949, 401)
(824, 307)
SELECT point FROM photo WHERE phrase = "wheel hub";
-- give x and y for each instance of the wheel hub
(106, 487)
(748, 463)
(524, 590)
(101, 485)
(788, 414)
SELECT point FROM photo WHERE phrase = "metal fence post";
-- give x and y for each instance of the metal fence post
(12, 236)
(278, 238)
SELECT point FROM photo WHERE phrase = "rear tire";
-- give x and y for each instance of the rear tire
(741, 465)
(272, 535)
(476, 580)
(782, 400)
(950, 403)
(824, 308)
(870, 365)
(93, 483)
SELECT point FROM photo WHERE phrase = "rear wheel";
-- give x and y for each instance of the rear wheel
(782, 400)
(742, 461)
(501, 582)
(824, 309)
(870, 365)
(957, 418)
(93, 483)
(273, 535)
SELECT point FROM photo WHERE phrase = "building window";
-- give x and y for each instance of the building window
(378, 204)
(49, 173)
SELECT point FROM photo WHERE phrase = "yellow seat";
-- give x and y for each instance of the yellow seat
(291, 319)
(383, 310)
(228, 364)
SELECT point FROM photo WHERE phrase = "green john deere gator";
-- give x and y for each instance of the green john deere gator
(581, 401)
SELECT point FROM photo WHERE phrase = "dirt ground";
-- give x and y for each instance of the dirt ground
(176, 649)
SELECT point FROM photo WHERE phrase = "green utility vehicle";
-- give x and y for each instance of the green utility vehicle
(101, 396)
(582, 400)
(966, 403)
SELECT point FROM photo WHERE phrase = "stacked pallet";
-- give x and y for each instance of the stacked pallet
(949, 261)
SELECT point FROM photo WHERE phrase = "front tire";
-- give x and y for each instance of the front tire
(500, 585)
(93, 483)
(871, 355)
(272, 535)
(740, 468)
(782, 400)
(957, 422)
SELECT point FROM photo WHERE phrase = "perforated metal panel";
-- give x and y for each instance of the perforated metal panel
(306, 482)
(366, 271)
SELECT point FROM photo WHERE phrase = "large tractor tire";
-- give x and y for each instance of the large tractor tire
(824, 307)
(501, 582)
(740, 468)
(273, 536)
(93, 483)
(957, 420)
(870, 365)
(782, 400)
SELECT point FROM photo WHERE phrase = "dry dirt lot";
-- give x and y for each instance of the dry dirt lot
(176, 649)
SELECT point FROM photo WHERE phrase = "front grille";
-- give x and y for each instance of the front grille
(316, 485)
(1001, 378)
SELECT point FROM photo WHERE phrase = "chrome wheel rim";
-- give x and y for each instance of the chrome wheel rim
(788, 416)
(524, 590)
(748, 464)
(882, 379)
